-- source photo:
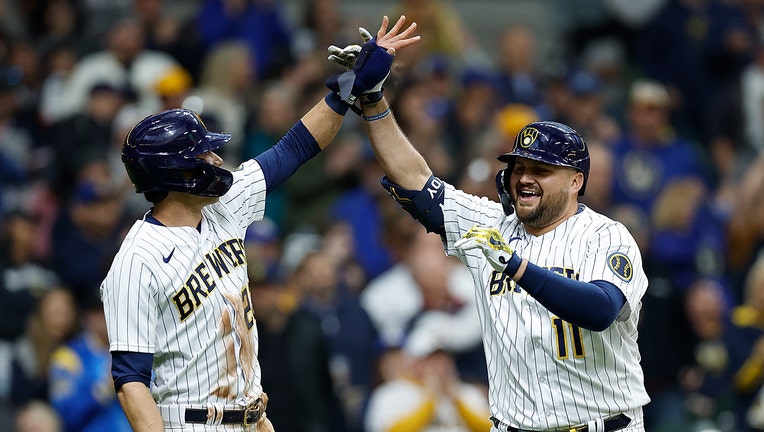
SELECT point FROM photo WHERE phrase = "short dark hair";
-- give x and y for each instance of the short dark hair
(155, 197)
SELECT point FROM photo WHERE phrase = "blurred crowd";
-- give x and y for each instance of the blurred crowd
(364, 323)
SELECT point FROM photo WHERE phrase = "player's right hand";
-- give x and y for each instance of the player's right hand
(490, 242)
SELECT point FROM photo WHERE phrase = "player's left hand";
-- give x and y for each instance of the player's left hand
(369, 66)
(490, 242)
(344, 57)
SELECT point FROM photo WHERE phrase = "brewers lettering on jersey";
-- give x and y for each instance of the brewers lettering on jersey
(180, 322)
(558, 286)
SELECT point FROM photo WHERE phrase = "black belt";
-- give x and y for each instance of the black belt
(613, 423)
(247, 416)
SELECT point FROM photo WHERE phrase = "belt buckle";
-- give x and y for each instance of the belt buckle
(255, 410)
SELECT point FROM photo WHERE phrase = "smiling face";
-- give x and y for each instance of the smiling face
(544, 195)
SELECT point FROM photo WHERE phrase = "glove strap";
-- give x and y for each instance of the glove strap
(338, 105)
(370, 98)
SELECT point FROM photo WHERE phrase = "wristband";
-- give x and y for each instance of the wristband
(513, 265)
(370, 98)
(381, 115)
(335, 103)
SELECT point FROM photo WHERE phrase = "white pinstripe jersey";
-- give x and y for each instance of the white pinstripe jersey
(182, 294)
(544, 372)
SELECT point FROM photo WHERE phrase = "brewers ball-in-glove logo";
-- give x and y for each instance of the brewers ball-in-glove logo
(527, 137)
(621, 266)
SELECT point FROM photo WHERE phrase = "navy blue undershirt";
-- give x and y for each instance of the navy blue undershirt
(282, 160)
(128, 366)
(591, 305)
(278, 164)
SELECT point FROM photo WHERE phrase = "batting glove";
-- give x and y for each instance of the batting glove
(370, 68)
(344, 57)
(347, 56)
(489, 240)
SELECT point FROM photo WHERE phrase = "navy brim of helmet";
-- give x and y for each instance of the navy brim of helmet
(213, 141)
(544, 158)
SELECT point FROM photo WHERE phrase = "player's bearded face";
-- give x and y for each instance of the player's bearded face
(545, 212)
(538, 193)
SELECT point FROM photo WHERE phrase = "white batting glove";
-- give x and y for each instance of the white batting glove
(344, 57)
(491, 243)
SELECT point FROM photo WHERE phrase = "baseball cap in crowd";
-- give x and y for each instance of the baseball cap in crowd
(513, 117)
(104, 87)
(479, 77)
(583, 83)
(262, 231)
(649, 93)
(10, 77)
(89, 192)
(175, 81)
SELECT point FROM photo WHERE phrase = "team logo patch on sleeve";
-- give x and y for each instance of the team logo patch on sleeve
(621, 266)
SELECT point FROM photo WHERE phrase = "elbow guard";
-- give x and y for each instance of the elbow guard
(426, 205)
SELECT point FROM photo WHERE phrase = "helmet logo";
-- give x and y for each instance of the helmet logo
(527, 137)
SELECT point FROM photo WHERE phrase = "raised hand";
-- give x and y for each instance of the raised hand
(393, 40)
(369, 66)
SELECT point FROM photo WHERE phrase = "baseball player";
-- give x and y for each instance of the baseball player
(179, 317)
(558, 285)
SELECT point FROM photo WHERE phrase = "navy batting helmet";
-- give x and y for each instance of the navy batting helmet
(160, 154)
(549, 142)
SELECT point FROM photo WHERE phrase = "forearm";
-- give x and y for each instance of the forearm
(398, 158)
(323, 123)
(140, 408)
(593, 305)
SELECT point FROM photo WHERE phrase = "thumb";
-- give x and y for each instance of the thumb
(364, 34)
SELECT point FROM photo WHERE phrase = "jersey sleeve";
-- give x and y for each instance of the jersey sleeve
(129, 295)
(612, 255)
(246, 198)
(462, 211)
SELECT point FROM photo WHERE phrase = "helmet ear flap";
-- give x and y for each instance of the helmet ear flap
(504, 196)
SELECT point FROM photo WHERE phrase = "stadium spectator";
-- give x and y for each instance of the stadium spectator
(87, 232)
(351, 335)
(24, 277)
(225, 88)
(518, 74)
(38, 416)
(294, 358)
(586, 111)
(425, 393)
(744, 340)
(81, 388)
(260, 24)
(84, 137)
(695, 47)
(425, 302)
(124, 63)
(54, 321)
(444, 33)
